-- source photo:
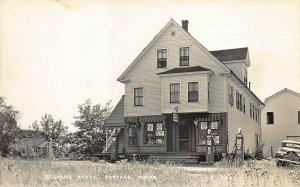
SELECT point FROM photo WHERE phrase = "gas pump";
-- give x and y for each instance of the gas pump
(114, 149)
(239, 150)
(210, 157)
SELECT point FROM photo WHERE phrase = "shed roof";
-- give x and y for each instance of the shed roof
(231, 54)
(184, 70)
(116, 118)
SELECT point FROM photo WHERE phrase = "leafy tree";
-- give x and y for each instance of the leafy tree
(90, 137)
(49, 128)
(8, 126)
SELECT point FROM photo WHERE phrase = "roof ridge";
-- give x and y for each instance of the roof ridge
(280, 92)
(230, 49)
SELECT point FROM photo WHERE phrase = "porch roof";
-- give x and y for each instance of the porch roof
(116, 118)
(184, 70)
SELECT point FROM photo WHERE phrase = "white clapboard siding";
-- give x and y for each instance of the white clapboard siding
(238, 119)
(237, 68)
(184, 105)
(285, 106)
(217, 94)
(144, 73)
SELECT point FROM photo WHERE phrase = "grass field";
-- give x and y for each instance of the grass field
(15, 172)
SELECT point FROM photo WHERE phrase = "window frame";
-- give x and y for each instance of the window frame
(237, 99)
(269, 121)
(184, 57)
(246, 77)
(208, 92)
(250, 110)
(160, 60)
(140, 97)
(231, 96)
(154, 134)
(256, 114)
(193, 91)
(241, 102)
(174, 92)
(202, 132)
(298, 117)
(253, 112)
(133, 137)
(244, 105)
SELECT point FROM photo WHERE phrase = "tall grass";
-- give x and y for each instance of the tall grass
(14, 172)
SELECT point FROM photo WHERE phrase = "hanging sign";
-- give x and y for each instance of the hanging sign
(175, 117)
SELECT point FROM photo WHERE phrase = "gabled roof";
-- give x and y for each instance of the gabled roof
(281, 92)
(116, 118)
(35, 142)
(121, 78)
(184, 70)
(231, 54)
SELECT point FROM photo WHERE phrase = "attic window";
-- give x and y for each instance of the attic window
(173, 33)
(184, 56)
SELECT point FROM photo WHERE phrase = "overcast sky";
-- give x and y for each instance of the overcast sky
(56, 54)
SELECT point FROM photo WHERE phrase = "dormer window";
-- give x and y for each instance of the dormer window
(184, 56)
(161, 58)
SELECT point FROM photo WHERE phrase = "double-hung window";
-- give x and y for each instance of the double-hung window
(231, 101)
(237, 100)
(161, 58)
(174, 93)
(184, 56)
(138, 96)
(193, 92)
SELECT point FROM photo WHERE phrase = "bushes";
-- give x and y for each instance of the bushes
(19, 150)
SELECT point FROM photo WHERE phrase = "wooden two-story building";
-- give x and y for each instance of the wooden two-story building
(175, 90)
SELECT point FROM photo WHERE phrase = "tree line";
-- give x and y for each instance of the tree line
(84, 143)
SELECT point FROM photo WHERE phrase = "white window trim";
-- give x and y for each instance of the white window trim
(180, 91)
(134, 96)
(162, 48)
(188, 92)
(190, 52)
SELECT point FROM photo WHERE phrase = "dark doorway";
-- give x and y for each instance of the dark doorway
(170, 133)
(183, 139)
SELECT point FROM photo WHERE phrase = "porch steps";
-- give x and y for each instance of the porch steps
(184, 159)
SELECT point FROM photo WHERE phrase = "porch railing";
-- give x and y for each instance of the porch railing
(109, 141)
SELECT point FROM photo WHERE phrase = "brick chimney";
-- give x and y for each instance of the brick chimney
(185, 25)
